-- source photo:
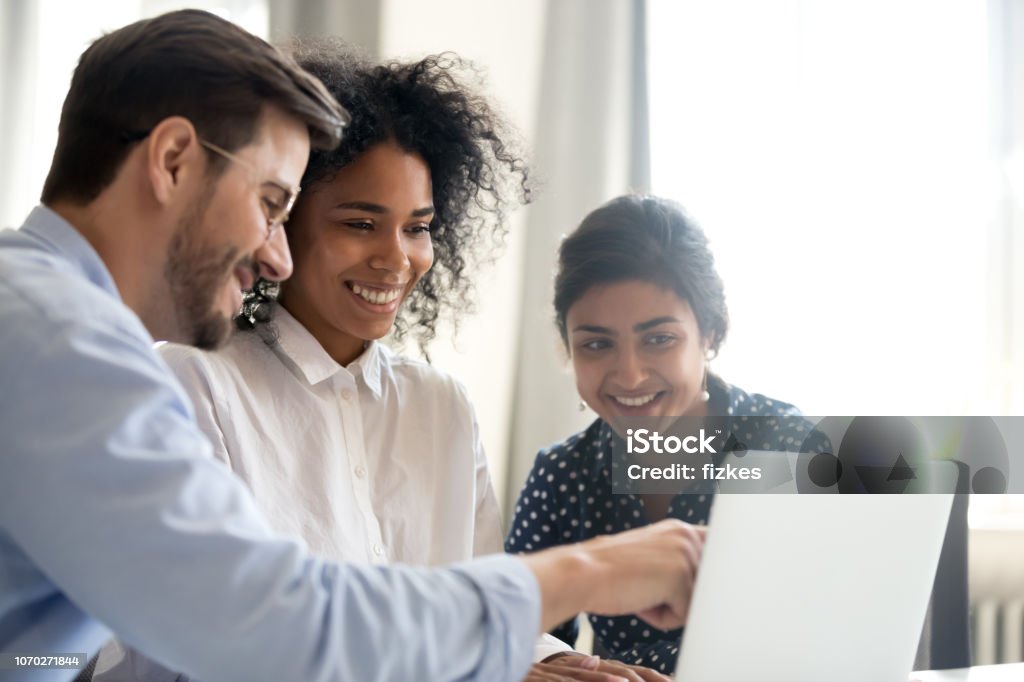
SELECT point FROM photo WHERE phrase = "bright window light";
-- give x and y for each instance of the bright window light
(847, 162)
(837, 154)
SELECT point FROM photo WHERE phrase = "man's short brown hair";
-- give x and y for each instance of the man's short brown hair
(187, 63)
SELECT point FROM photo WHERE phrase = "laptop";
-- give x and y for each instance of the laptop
(813, 588)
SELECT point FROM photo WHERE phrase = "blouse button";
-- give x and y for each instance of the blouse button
(378, 550)
(346, 395)
(360, 471)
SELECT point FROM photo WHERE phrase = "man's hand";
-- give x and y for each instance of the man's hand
(648, 571)
(571, 666)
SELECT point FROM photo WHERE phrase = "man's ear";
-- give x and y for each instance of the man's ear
(173, 155)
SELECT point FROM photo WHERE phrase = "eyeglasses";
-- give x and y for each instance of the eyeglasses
(277, 205)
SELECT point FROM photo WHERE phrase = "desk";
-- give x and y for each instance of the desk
(981, 673)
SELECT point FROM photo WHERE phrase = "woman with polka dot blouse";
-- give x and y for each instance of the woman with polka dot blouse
(641, 311)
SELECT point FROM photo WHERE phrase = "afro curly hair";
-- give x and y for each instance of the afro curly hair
(429, 107)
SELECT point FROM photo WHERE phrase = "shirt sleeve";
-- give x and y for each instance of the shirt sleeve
(193, 375)
(549, 645)
(487, 529)
(816, 441)
(107, 488)
(539, 522)
(487, 537)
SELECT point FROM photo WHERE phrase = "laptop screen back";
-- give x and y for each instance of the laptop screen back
(810, 588)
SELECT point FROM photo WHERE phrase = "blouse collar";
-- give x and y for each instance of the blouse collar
(315, 364)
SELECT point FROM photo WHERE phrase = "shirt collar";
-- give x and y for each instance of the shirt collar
(315, 364)
(369, 364)
(61, 238)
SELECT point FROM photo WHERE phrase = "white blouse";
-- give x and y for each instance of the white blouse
(379, 461)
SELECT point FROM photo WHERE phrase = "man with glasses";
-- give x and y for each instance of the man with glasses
(181, 142)
(277, 199)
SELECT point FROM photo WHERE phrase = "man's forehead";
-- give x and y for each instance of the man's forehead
(281, 143)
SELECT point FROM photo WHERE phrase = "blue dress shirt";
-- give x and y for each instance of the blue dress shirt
(115, 518)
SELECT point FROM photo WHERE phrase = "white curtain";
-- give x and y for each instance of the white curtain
(1006, 30)
(19, 188)
(590, 145)
(356, 21)
(40, 43)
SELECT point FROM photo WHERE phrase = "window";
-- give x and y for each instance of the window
(852, 164)
(836, 154)
(41, 43)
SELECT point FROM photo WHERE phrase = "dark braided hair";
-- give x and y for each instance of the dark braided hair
(427, 108)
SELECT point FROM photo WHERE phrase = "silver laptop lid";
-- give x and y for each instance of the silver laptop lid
(800, 588)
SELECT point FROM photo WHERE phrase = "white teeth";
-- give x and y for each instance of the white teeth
(375, 296)
(635, 402)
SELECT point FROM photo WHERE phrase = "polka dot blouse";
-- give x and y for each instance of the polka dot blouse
(568, 498)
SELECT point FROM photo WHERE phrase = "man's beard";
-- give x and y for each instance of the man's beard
(195, 277)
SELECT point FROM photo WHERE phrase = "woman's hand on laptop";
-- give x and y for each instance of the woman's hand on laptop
(569, 665)
(648, 571)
